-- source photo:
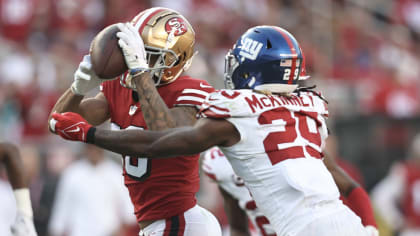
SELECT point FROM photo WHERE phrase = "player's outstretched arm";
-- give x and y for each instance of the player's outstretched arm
(10, 157)
(358, 199)
(95, 110)
(238, 220)
(180, 141)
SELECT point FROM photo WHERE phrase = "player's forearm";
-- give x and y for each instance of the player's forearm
(139, 143)
(68, 102)
(343, 181)
(155, 112)
(150, 144)
(14, 166)
(126, 142)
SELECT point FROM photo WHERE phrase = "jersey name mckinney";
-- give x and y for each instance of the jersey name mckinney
(269, 101)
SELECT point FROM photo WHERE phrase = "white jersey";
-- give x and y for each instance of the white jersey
(217, 167)
(279, 153)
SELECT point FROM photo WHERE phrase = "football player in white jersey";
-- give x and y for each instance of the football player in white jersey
(271, 131)
(239, 205)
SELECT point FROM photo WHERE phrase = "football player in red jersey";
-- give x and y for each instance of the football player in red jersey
(271, 131)
(10, 158)
(158, 47)
(397, 196)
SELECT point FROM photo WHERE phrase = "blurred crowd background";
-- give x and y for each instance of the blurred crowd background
(363, 55)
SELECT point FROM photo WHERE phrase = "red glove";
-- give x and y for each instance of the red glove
(70, 126)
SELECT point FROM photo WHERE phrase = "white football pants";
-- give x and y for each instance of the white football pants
(196, 221)
(341, 223)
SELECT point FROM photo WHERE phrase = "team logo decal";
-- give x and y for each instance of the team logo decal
(177, 24)
(250, 48)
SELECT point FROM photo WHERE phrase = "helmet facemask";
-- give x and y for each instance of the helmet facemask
(158, 60)
(231, 63)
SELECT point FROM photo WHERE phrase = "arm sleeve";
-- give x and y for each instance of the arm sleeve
(194, 94)
(358, 200)
(386, 195)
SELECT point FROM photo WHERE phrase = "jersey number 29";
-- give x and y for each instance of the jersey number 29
(297, 134)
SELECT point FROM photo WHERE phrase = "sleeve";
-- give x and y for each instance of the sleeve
(194, 93)
(358, 200)
(386, 195)
(229, 103)
(215, 107)
(62, 208)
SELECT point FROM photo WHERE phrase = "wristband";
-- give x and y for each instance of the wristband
(90, 136)
(23, 201)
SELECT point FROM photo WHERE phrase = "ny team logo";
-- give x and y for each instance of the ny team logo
(177, 24)
(250, 48)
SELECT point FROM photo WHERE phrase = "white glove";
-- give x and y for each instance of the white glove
(371, 231)
(133, 48)
(85, 78)
(23, 225)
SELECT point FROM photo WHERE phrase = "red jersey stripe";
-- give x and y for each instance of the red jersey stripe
(181, 225)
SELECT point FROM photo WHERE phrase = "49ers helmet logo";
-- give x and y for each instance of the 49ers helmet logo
(177, 24)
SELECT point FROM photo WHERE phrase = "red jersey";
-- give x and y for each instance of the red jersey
(159, 188)
(411, 196)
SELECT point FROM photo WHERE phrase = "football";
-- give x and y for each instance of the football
(106, 55)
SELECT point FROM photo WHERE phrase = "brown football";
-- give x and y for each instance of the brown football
(106, 55)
